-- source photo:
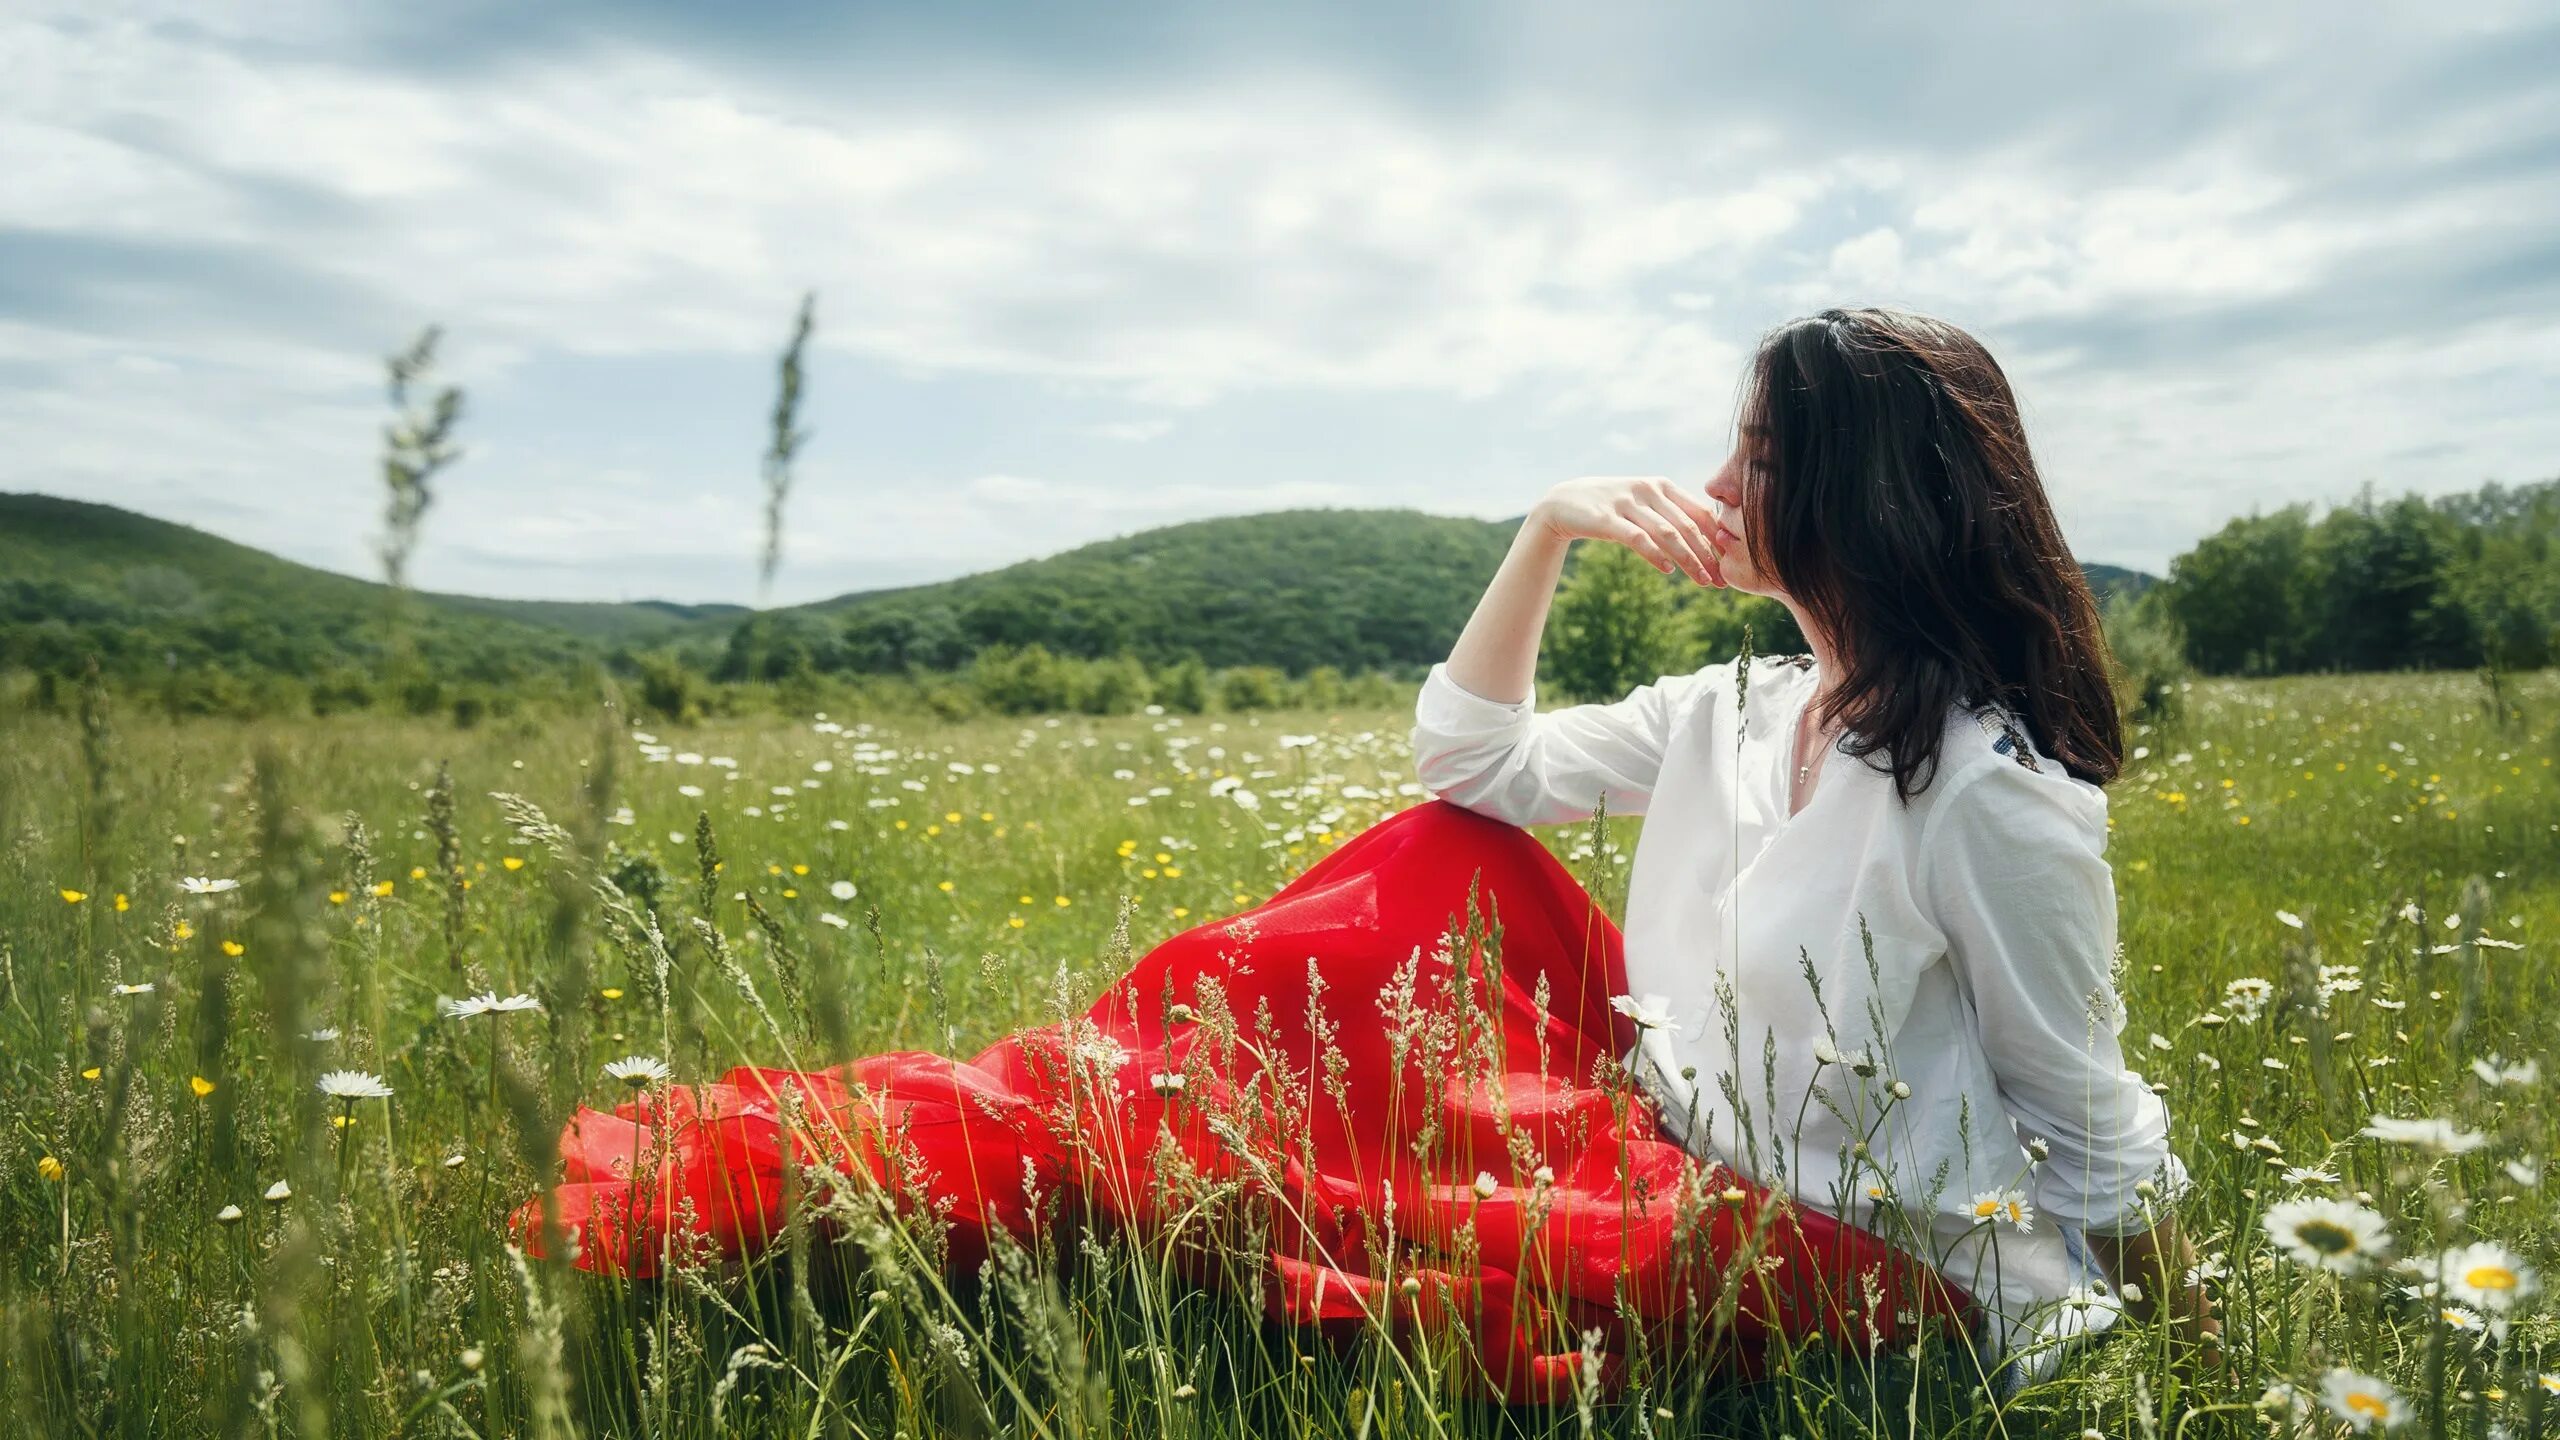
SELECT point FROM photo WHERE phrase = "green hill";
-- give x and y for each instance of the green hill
(2106, 581)
(150, 596)
(1356, 589)
(1295, 589)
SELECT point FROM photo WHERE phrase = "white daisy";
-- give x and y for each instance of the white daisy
(279, 1192)
(485, 1003)
(2003, 1205)
(2363, 1401)
(1648, 1016)
(2426, 1132)
(842, 890)
(139, 987)
(2496, 1071)
(1485, 1184)
(204, 885)
(353, 1085)
(1096, 1049)
(638, 1071)
(2247, 997)
(2487, 1275)
(1168, 1083)
(2327, 1234)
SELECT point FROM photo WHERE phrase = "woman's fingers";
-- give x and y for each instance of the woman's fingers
(1666, 537)
(1680, 538)
(1703, 511)
(1626, 532)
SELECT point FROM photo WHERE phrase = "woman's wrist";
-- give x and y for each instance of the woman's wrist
(2149, 1267)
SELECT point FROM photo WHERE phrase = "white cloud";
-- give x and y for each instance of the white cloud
(239, 230)
(1136, 432)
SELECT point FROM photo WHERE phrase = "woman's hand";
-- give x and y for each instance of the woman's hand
(1648, 514)
(2156, 1262)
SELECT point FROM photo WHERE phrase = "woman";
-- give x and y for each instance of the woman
(1360, 1106)
(1869, 915)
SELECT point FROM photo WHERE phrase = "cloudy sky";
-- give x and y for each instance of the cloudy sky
(1083, 270)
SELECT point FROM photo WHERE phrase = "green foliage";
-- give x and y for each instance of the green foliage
(415, 446)
(1292, 589)
(1021, 680)
(1114, 686)
(2151, 672)
(785, 444)
(1184, 689)
(2381, 813)
(669, 691)
(152, 600)
(1349, 601)
(1613, 627)
(2460, 581)
(1252, 687)
(1715, 621)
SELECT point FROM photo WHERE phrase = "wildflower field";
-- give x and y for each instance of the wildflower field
(291, 1015)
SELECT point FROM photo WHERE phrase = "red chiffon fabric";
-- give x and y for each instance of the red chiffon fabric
(1543, 1204)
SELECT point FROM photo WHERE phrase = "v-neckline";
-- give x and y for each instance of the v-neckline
(1785, 768)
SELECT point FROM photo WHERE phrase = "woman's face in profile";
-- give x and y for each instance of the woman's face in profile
(1725, 493)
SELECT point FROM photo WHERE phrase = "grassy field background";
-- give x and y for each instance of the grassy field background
(157, 1068)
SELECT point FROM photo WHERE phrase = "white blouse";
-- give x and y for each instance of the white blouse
(1991, 912)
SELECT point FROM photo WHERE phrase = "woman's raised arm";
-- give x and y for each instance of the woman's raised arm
(1478, 738)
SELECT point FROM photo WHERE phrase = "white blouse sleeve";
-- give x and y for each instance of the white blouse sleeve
(2018, 880)
(1515, 764)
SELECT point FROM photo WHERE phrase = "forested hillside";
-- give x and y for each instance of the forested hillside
(2411, 583)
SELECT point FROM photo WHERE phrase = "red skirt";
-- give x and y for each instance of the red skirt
(1419, 1099)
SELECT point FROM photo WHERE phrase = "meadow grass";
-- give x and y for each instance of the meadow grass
(2324, 885)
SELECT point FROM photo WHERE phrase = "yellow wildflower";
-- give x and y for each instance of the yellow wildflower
(200, 1085)
(513, 862)
(74, 897)
(234, 949)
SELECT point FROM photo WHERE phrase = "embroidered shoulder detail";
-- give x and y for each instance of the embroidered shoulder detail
(1801, 662)
(2006, 738)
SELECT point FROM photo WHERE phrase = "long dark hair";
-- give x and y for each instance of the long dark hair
(1891, 492)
